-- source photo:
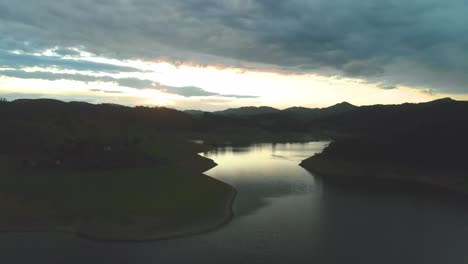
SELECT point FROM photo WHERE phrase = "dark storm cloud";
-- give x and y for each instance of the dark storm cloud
(372, 39)
(189, 91)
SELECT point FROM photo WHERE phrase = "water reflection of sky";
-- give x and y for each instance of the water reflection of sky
(263, 171)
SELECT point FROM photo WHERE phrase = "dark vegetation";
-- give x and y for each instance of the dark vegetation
(418, 142)
(48, 133)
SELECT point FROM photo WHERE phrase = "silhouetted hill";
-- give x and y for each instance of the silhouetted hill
(303, 113)
(340, 108)
(391, 119)
(248, 111)
(446, 100)
(196, 113)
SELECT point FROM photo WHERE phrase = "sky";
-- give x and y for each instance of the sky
(217, 54)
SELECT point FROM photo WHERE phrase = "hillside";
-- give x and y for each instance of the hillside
(297, 113)
(417, 142)
(248, 111)
(308, 114)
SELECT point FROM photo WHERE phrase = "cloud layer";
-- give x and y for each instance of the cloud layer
(13, 60)
(417, 43)
(136, 83)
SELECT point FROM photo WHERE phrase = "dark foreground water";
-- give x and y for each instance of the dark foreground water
(285, 215)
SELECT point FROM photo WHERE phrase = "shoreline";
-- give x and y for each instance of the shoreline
(187, 231)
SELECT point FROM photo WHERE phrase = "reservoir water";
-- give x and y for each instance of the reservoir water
(284, 214)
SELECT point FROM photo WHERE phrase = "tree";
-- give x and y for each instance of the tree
(3, 100)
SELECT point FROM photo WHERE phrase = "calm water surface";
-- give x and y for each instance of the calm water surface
(283, 214)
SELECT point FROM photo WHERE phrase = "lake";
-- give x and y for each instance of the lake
(284, 214)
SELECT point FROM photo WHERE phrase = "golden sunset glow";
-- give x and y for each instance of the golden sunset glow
(274, 88)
